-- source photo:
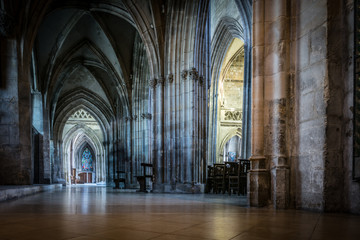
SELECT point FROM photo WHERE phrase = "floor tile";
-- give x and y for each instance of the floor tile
(92, 212)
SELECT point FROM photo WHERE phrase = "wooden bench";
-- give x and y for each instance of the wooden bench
(142, 179)
(118, 180)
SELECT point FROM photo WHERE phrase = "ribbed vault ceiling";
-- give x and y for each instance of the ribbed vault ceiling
(85, 45)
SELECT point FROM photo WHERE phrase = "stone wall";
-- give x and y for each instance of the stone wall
(302, 130)
(341, 158)
(311, 74)
(10, 164)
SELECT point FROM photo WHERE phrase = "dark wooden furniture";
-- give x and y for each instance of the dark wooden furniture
(244, 169)
(82, 177)
(119, 179)
(85, 177)
(142, 179)
(219, 178)
(232, 175)
(209, 180)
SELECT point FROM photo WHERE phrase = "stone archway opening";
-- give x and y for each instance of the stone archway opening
(83, 150)
(86, 163)
(230, 101)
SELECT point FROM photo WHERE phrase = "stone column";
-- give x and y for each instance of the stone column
(277, 58)
(193, 120)
(258, 178)
(160, 129)
(157, 152)
(169, 142)
(246, 119)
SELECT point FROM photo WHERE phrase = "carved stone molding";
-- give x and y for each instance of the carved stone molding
(152, 83)
(6, 24)
(233, 115)
(184, 74)
(170, 78)
(194, 75)
(134, 117)
(201, 80)
(146, 116)
(129, 118)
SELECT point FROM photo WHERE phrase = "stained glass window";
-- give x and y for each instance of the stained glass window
(87, 161)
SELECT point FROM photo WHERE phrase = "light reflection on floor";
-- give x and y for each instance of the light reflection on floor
(93, 212)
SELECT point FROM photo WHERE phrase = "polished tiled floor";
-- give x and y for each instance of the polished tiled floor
(88, 212)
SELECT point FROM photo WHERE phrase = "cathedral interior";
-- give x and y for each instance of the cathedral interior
(116, 96)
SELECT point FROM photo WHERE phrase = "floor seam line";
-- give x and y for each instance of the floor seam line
(317, 221)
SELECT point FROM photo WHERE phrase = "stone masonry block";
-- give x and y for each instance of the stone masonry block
(311, 14)
(318, 41)
(306, 106)
(273, 11)
(312, 78)
(303, 52)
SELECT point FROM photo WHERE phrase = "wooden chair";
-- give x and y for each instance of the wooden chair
(233, 177)
(119, 180)
(210, 179)
(219, 178)
(244, 169)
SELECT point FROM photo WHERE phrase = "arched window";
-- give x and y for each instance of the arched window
(87, 160)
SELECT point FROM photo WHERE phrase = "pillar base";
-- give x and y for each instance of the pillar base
(281, 189)
(178, 188)
(258, 188)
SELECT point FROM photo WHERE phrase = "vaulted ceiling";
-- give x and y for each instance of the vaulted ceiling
(86, 46)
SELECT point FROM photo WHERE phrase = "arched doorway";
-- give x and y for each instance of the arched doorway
(228, 101)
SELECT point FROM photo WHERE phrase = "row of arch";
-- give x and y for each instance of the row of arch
(132, 107)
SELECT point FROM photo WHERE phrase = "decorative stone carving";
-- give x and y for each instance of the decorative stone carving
(201, 80)
(184, 74)
(134, 117)
(82, 114)
(146, 116)
(170, 78)
(194, 75)
(128, 118)
(161, 81)
(233, 115)
(6, 24)
(152, 83)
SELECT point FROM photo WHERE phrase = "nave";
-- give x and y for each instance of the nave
(94, 212)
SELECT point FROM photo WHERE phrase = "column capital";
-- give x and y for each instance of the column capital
(201, 80)
(146, 115)
(152, 83)
(170, 78)
(184, 74)
(194, 75)
(161, 81)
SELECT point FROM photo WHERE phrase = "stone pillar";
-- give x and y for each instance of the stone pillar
(157, 123)
(258, 178)
(193, 120)
(277, 58)
(246, 119)
(170, 169)
(160, 128)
